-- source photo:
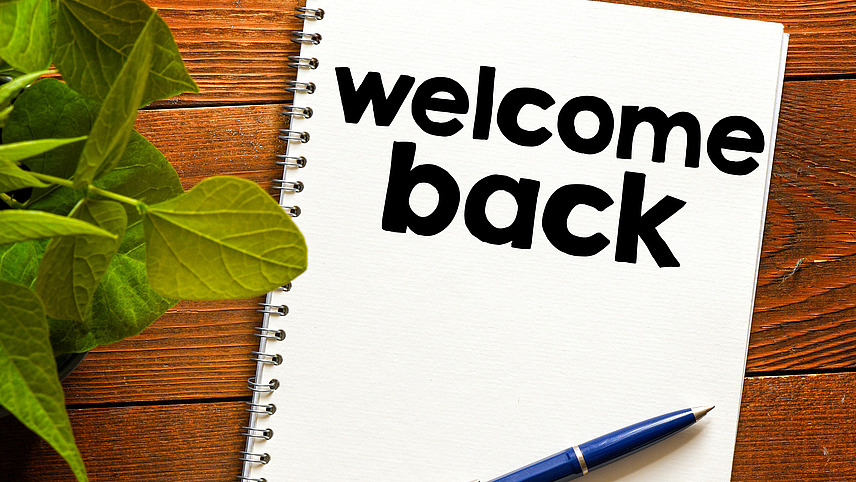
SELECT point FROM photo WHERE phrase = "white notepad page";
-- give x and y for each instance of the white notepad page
(447, 358)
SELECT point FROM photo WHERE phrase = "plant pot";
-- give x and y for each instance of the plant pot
(66, 363)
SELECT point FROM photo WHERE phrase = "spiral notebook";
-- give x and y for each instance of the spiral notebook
(527, 227)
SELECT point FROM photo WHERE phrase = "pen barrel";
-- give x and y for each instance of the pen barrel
(620, 443)
(549, 469)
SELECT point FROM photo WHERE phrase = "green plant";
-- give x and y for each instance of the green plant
(97, 236)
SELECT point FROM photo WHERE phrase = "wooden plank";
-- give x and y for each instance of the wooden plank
(188, 442)
(822, 37)
(805, 301)
(237, 50)
(203, 142)
(795, 427)
(195, 350)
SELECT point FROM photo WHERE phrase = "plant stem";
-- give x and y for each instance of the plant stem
(10, 201)
(52, 179)
(116, 197)
(90, 189)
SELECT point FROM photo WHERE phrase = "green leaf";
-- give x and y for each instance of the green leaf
(18, 225)
(19, 262)
(13, 177)
(72, 267)
(6, 69)
(94, 37)
(115, 120)
(143, 173)
(124, 303)
(123, 306)
(50, 109)
(142, 161)
(225, 238)
(25, 149)
(4, 114)
(25, 34)
(29, 384)
(9, 90)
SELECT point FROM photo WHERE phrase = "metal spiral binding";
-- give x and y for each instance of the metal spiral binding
(258, 409)
(270, 359)
(264, 433)
(296, 87)
(268, 387)
(257, 458)
(301, 37)
(291, 161)
(272, 309)
(298, 62)
(309, 13)
(262, 408)
(271, 334)
(292, 135)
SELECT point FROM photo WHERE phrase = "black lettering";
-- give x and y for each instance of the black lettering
(355, 101)
(509, 109)
(424, 100)
(632, 116)
(484, 103)
(558, 209)
(568, 130)
(720, 139)
(519, 232)
(403, 177)
(633, 225)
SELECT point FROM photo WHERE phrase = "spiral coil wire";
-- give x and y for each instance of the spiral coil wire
(257, 409)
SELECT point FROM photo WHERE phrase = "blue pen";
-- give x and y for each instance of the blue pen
(578, 460)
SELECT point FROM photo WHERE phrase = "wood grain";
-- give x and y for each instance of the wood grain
(798, 428)
(822, 33)
(795, 428)
(203, 142)
(237, 50)
(186, 442)
(196, 350)
(804, 306)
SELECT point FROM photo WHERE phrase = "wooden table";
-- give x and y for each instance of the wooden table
(169, 404)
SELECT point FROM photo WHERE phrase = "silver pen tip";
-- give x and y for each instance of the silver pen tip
(700, 412)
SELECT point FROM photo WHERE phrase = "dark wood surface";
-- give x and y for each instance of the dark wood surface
(168, 404)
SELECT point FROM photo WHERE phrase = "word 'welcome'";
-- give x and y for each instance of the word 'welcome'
(445, 95)
(454, 100)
